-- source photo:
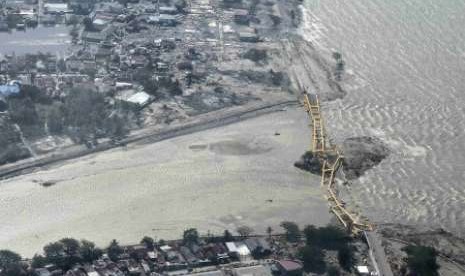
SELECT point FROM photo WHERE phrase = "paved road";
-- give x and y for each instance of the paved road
(377, 254)
(198, 123)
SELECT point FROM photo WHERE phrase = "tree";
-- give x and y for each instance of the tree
(38, 261)
(55, 118)
(329, 237)
(70, 246)
(148, 242)
(333, 271)
(313, 259)
(88, 25)
(8, 258)
(292, 231)
(345, 256)
(227, 236)
(85, 111)
(115, 127)
(421, 260)
(22, 111)
(114, 250)
(54, 252)
(256, 55)
(269, 231)
(191, 236)
(61, 64)
(89, 252)
(244, 231)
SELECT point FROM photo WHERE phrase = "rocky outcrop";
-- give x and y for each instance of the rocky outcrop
(362, 154)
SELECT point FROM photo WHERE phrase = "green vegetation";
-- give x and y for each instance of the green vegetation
(67, 252)
(86, 115)
(421, 260)
(191, 236)
(326, 238)
(292, 231)
(313, 259)
(256, 55)
(9, 262)
(329, 237)
(227, 236)
(89, 252)
(244, 231)
(148, 242)
(345, 256)
(333, 271)
(114, 250)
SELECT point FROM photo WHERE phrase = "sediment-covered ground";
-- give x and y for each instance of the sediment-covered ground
(212, 180)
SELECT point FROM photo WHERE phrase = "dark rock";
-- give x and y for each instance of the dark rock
(309, 162)
(362, 154)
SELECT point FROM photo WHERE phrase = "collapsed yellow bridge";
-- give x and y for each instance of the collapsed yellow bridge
(332, 158)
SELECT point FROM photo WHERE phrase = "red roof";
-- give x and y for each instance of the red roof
(289, 265)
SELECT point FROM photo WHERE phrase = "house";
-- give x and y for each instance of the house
(3, 105)
(9, 90)
(251, 37)
(103, 54)
(168, 10)
(363, 270)
(100, 23)
(153, 256)
(290, 268)
(258, 270)
(138, 61)
(48, 19)
(56, 8)
(242, 17)
(238, 250)
(188, 255)
(167, 20)
(72, 63)
(208, 273)
(141, 99)
(42, 272)
(81, 6)
(93, 37)
(258, 246)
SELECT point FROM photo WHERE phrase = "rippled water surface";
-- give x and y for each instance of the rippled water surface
(406, 70)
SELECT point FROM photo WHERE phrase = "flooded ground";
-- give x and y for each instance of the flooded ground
(53, 39)
(212, 180)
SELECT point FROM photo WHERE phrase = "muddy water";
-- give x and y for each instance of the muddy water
(405, 64)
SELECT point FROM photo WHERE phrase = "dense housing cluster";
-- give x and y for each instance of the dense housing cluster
(151, 62)
(314, 250)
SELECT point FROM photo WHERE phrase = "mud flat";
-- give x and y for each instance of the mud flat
(215, 179)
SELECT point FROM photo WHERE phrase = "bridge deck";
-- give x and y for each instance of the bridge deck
(332, 161)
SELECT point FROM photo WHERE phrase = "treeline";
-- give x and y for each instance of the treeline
(83, 115)
(318, 240)
(312, 244)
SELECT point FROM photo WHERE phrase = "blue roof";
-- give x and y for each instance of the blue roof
(8, 90)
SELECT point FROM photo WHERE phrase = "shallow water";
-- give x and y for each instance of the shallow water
(43, 39)
(405, 63)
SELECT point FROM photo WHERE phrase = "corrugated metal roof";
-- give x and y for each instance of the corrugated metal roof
(8, 90)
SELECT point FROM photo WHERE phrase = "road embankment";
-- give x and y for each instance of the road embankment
(149, 135)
